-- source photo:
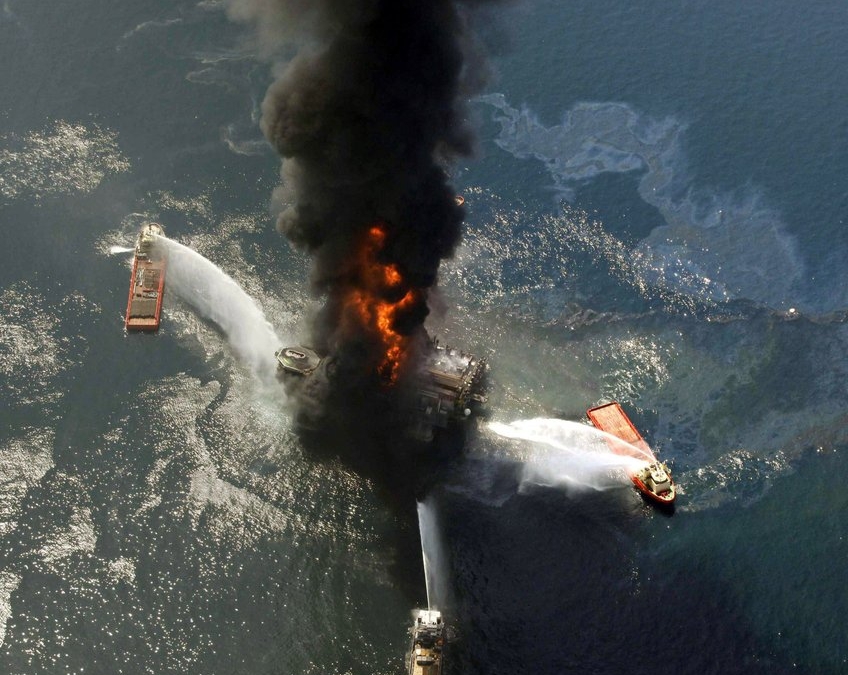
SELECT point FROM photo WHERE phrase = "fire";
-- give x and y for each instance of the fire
(370, 304)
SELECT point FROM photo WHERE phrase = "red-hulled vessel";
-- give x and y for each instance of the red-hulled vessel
(147, 283)
(654, 479)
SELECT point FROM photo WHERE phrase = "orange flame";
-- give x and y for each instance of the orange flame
(366, 304)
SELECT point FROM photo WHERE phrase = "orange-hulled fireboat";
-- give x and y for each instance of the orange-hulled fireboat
(654, 479)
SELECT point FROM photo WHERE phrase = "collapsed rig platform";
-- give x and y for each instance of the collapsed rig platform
(449, 388)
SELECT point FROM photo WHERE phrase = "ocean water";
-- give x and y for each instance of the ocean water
(656, 214)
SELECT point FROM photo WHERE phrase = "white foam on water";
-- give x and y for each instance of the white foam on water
(217, 297)
(66, 158)
(148, 25)
(560, 453)
(9, 583)
(435, 560)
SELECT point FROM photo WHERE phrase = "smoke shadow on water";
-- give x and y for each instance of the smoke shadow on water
(549, 581)
(368, 438)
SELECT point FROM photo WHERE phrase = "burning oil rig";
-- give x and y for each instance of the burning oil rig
(372, 360)
(448, 388)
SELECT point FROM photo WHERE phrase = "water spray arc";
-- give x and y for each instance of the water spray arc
(217, 297)
(434, 556)
(610, 453)
(558, 452)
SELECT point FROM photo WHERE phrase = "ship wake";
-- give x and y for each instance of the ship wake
(568, 455)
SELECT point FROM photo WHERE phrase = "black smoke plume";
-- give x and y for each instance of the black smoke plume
(368, 112)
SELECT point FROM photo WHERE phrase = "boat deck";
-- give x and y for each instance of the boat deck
(144, 305)
(612, 419)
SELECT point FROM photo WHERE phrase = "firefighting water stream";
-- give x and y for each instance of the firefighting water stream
(214, 295)
(574, 456)
(436, 572)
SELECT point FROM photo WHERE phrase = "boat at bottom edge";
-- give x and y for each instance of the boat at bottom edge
(428, 641)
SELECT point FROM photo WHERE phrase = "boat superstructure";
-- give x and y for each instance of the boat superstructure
(147, 283)
(655, 482)
(654, 479)
(428, 641)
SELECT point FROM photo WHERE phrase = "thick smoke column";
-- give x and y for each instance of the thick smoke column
(367, 115)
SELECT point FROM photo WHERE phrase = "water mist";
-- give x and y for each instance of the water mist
(217, 297)
(434, 554)
(569, 454)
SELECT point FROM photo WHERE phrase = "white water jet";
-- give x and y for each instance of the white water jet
(559, 453)
(217, 297)
(115, 250)
(433, 552)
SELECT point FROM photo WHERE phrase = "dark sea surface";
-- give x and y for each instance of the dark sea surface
(656, 215)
